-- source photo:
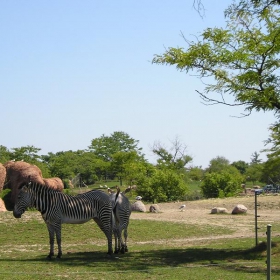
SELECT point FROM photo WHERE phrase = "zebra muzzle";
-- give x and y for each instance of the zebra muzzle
(16, 215)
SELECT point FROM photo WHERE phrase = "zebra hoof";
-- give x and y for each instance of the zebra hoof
(49, 256)
(122, 250)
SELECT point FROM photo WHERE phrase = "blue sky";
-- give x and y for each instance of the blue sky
(71, 71)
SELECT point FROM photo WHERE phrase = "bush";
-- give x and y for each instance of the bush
(221, 185)
(162, 186)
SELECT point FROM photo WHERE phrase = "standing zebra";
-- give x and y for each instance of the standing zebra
(58, 208)
(122, 212)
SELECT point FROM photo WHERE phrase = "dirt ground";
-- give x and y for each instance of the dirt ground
(199, 213)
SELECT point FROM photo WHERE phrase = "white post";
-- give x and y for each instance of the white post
(268, 260)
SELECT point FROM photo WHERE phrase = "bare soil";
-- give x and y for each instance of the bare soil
(199, 213)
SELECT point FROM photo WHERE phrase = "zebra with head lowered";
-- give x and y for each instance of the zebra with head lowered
(122, 212)
(58, 208)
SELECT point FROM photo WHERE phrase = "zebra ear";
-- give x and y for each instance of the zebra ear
(21, 186)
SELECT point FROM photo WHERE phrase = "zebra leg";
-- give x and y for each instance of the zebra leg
(125, 239)
(107, 230)
(58, 240)
(51, 240)
(122, 243)
(116, 241)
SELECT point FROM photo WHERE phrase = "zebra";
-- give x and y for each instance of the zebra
(57, 208)
(122, 212)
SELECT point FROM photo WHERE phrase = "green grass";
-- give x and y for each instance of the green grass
(155, 252)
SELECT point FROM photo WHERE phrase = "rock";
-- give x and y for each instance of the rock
(138, 206)
(239, 209)
(218, 210)
(2, 176)
(154, 208)
(54, 183)
(2, 206)
(19, 172)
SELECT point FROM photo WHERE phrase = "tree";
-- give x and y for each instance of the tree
(5, 154)
(195, 173)
(257, 7)
(270, 172)
(241, 166)
(175, 158)
(105, 146)
(26, 153)
(221, 184)
(254, 172)
(163, 185)
(63, 165)
(240, 61)
(255, 158)
(127, 166)
(220, 164)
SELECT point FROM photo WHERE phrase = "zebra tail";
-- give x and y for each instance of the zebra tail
(116, 199)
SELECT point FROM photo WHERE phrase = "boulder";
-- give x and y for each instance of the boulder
(218, 210)
(2, 176)
(239, 209)
(154, 208)
(19, 172)
(54, 183)
(2, 206)
(138, 206)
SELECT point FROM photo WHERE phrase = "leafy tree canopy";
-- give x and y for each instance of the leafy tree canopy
(255, 158)
(241, 60)
(5, 154)
(174, 158)
(26, 153)
(221, 164)
(162, 186)
(221, 184)
(241, 166)
(105, 146)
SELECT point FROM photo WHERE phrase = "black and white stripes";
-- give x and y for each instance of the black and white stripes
(58, 208)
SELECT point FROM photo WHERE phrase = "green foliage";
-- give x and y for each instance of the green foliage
(5, 154)
(163, 185)
(270, 171)
(196, 173)
(128, 166)
(175, 158)
(242, 59)
(221, 164)
(222, 184)
(26, 153)
(105, 146)
(241, 166)
(254, 172)
(153, 252)
(255, 158)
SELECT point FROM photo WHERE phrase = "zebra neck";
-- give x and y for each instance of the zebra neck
(41, 195)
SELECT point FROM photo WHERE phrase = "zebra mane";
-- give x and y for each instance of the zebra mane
(38, 186)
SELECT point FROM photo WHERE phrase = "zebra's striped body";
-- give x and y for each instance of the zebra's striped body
(58, 208)
(122, 212)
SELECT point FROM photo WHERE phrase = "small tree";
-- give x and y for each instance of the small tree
(221, 184)
(163, 185)
(174, 158)
(105, 146)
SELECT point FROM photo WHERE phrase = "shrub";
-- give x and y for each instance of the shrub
(221, 184)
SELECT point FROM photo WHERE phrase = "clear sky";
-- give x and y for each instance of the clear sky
(71, 71)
